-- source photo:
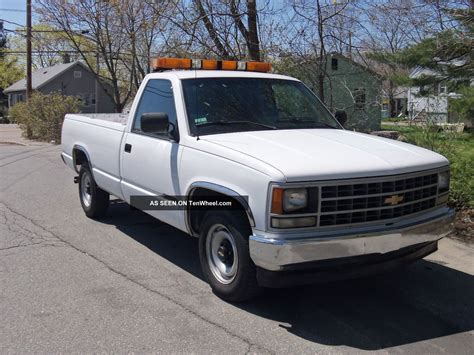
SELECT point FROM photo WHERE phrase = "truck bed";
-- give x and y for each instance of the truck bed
(111, 117)
(99, 118)
(100, 135)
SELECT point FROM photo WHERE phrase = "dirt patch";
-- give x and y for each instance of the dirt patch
(464, 226)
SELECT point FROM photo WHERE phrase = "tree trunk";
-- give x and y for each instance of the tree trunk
(391, 99)
(252, 33)
(211, 30)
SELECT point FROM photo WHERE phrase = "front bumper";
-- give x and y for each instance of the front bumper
(284, 252)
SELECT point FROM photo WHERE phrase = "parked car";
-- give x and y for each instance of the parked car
(298, 198)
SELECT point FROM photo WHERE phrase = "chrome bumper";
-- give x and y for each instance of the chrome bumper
(275, 251)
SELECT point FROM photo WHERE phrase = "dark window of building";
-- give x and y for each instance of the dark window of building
(359, 98)
(334, 63)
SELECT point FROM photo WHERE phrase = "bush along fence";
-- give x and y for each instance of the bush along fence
(42, 116)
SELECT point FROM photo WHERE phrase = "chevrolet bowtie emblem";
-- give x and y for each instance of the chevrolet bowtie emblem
(393, 200)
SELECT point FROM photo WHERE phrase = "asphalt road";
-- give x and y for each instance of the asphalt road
(132, 284)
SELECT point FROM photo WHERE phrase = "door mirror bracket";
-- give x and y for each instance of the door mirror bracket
(341, 117)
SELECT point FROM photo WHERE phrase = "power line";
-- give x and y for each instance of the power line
(11, 22)
(47, 52)
(13, 10)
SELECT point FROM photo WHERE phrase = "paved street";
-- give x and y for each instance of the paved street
(132, 284)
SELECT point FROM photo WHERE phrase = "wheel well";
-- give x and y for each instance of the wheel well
(195, 216)
(79, 157)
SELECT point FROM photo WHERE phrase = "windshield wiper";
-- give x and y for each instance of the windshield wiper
(225, 123)
(305, 120)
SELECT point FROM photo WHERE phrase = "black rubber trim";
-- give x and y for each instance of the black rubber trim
(343, 268)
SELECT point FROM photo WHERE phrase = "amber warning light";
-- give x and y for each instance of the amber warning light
(160, 64)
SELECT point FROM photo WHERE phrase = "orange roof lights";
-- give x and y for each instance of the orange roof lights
(161, 64)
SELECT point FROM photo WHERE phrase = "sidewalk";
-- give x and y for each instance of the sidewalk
(10, 134)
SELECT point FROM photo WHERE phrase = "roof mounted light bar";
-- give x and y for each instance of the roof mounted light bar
(162, 64)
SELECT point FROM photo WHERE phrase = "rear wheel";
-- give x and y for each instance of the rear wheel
(225, 258)
(94, 200)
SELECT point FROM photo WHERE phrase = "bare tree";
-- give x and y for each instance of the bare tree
(318, 30)
(227, 29)
(121, 33)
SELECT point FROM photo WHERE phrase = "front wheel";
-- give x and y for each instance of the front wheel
(225, 258)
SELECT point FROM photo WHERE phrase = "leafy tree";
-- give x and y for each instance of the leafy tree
(10, 70)
(449, 54)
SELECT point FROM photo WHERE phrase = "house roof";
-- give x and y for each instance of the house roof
(363, 67)
(41, 77)
(420, 71)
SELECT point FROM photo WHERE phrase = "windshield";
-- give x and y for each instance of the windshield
(222, 105)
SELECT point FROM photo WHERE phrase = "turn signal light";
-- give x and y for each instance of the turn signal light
(277, 201)
(160, 64)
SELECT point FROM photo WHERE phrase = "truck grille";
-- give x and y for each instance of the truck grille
(382, 199)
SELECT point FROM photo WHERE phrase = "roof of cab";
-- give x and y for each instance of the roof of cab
(192, 74)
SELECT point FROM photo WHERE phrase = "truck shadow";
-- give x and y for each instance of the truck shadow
(423, 301)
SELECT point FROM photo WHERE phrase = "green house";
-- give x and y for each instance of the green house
(347, 86)
(351, 87)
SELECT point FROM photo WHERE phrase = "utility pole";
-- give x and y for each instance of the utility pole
(28, 50)
(97, 68)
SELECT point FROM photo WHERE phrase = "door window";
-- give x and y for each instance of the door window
(156, 97)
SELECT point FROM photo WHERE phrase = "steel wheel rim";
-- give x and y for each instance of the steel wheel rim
(221, 252)
(86, 189)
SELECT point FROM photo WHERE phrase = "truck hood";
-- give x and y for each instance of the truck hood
(319, 154)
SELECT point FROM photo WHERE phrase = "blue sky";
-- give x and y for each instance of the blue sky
(13, 16)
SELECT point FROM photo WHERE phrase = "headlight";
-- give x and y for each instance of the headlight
(443, 181)
(294, 199)
(289, 200)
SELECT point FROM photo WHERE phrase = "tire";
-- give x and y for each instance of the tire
(225, 258)
(94, 200)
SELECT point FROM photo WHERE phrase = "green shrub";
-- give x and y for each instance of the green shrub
(464, 105)
(458, 148)
(42, 116)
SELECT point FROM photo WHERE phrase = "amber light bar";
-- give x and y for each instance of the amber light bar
(161, 64)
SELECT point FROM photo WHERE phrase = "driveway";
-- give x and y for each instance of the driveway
(132, 284)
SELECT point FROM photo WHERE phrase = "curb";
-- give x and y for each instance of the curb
(13, 143)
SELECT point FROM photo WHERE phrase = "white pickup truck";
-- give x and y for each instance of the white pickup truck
(310, 200)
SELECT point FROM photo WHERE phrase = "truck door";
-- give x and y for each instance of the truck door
(149, 162)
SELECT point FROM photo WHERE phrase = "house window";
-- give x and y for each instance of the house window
(19, 97)
(443, 88)
(359, 98)
(334, 63)
(77, 74)
(85, 99)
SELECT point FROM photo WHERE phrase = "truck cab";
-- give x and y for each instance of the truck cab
(297, 198)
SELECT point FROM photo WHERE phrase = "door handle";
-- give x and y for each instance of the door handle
(128, 148)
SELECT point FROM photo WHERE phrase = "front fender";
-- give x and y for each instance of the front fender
(222, 190)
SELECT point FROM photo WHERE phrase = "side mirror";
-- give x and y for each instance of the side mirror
(154, 122)
(341, 117)
(158, 123)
